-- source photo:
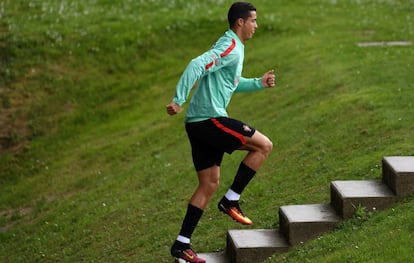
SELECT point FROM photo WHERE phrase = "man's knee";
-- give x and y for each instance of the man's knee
(209, 182)
(267, 146)
(211, 187)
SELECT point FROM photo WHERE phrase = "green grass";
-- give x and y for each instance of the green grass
(97, 172)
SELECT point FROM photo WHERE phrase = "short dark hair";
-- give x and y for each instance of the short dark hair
(239, 10)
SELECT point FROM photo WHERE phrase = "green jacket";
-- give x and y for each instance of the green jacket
(219, 71)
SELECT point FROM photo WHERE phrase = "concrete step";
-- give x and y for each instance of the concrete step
(347, 196)
(398, 174)
(300, 223)
(217, 257)
(251, 246)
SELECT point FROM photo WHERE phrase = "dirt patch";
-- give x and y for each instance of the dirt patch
(15, 103)
(23, 215)
(15, 131)
(14, 216)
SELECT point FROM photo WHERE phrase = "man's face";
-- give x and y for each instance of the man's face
(249, 26)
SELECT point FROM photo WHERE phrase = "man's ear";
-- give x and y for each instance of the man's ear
(240, 22)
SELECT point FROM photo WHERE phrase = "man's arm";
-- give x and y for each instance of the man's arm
(253, 84)
(214, 59)
(193, 72)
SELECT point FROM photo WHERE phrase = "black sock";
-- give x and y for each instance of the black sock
(190, 221)
(242, 179)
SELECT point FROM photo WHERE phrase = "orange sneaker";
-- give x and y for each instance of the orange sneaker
(232, 208)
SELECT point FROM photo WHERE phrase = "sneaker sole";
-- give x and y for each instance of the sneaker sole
(180, 260)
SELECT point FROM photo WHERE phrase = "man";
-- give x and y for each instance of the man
(211, 132)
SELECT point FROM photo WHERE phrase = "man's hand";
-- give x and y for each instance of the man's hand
(268, 79)
(173, 108)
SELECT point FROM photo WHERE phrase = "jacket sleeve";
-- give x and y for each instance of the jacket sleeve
(191, 74)
(251, 84)
(216, 58)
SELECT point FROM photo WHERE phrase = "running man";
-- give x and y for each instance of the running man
(211, 132)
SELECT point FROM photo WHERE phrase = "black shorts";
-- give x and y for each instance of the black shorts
(211, 138)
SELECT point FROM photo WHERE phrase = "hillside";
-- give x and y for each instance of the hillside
(94, 170)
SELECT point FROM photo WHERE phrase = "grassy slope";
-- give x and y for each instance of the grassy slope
(107, 174)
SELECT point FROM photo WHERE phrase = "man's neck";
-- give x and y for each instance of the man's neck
(238, 34)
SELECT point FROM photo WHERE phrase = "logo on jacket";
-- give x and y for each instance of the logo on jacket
(236, 81)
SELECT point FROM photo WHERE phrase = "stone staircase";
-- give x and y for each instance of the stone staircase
(300, 223)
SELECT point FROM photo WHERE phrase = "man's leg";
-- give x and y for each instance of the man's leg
(208, 184)
(208, 181)
(259, 148)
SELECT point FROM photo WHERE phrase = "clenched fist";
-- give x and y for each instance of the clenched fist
(173, 108)
(268, 79)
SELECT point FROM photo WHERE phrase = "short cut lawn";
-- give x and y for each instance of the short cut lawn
(94, 170)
